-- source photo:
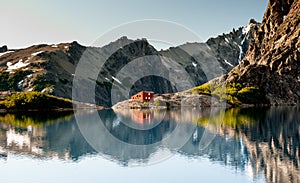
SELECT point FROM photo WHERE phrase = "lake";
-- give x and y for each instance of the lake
(184, 145)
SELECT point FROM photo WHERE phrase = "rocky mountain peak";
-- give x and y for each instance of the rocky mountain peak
(231, 48)
(275, 20)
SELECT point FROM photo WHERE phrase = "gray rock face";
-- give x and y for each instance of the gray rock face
(205, 61)
(231, 48)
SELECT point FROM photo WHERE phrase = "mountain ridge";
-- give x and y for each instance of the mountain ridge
(51, 68)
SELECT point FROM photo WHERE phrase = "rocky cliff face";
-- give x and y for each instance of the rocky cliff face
(272, 61)
(217, 56)
(231, 48)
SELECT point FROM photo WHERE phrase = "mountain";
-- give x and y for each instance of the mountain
(217, 56)
(272, 61)
(51, 68)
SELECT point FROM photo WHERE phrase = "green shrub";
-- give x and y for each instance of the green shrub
(158, 102)
(15, 78)
(202, 89)
(41, 83)
(3, 81)
(233, 93)
(34, 100)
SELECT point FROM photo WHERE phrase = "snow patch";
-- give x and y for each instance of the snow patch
(246, 29)
(29, 76)
(208, 47)
(194, 64)
(66, 47)
(20, 84)
(228, 63)
(5, 53)
(8, 64)
(243, 41)
(241, 53)
(44, 90)
(30, 89)
(54, 46)
(117, 80)
(226, 40)
(106, 79)
(18, 65)
(241, 48)
(36, 53)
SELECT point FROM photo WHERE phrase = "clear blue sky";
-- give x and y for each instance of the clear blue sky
(24, 23)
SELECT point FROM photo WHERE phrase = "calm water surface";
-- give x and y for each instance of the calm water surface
(187, 145)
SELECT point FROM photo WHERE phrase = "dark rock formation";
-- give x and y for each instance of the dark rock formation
(3, 49)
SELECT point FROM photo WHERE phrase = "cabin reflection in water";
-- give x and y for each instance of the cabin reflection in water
(142, 116)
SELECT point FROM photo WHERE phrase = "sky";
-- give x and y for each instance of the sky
(25, 23)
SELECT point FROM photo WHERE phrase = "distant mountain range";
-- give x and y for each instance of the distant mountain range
(51, 68)
(257, 63)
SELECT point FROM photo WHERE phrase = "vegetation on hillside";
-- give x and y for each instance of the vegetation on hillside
(12, 81)
(41, 83)
(34, 101)
(233, 93)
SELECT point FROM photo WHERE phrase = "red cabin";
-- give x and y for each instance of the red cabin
(143, 96)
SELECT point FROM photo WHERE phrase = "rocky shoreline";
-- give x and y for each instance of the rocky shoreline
(177, 100)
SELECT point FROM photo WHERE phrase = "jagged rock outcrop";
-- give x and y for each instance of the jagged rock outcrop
(272, 61)
(231, 48)
(3, 49)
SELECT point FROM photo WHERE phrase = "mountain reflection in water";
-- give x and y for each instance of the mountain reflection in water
(257, 140)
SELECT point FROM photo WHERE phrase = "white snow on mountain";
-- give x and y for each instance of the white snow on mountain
(228, 63)
(18, 65)
(36, 53)
(5, 53)
(117, 80)
(246, 29)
